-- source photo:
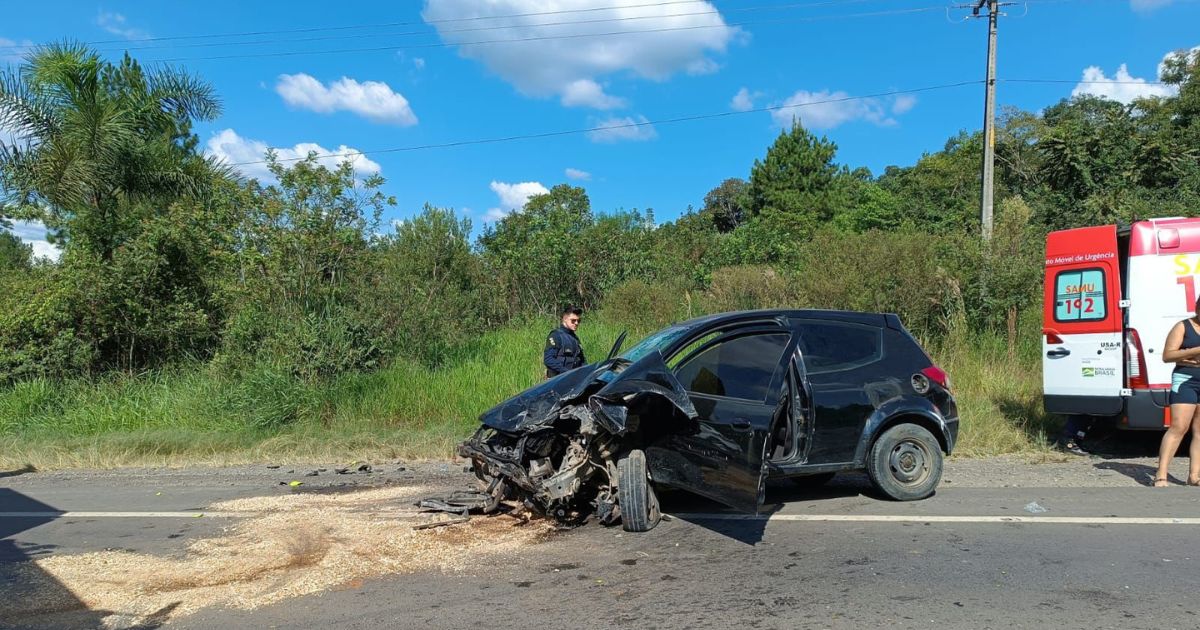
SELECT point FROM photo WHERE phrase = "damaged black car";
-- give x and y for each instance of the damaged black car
(715, 406)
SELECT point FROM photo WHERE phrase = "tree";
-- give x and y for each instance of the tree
(95, 138)
(430, 285)
(941, 191)
(793, 187)
(15, 254)
(305, 271)
(533, 251)
(725, 205)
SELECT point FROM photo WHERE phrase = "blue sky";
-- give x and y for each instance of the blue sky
(428, 85)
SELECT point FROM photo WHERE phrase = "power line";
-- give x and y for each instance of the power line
(406, 23)
(552, 37)
(630, 125)
(1078, 82)
(443, 33)
(382, 24)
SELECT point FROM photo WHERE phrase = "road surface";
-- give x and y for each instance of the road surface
(1082, 544)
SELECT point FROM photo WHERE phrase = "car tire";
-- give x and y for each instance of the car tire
(635, 496)
(905, 462)
(813, 481)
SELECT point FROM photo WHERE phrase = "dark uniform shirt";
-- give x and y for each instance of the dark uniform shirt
(563, 352)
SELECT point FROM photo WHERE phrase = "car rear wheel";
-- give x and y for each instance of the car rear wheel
(905, 463)
(635, 496)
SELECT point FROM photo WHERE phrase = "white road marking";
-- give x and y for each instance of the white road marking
(80, 514)
(900, 518)
(191, 514)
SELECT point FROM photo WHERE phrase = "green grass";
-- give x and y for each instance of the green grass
(205, 415)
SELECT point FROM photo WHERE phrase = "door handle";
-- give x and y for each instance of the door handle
(740, 424)
(1058, 352)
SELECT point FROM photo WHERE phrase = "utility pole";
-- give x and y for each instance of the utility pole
(989, 119)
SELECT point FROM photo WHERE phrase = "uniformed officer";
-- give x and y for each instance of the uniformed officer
(563, 351)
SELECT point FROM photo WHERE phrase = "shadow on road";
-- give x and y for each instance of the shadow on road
(32, 598)
(690, 507)
(1140, 473)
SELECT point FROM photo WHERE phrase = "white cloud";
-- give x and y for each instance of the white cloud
(1122, 87)
(743, 100)
(231, 148)
(34, 233)
(588, 93)
(1146, 6)
(549, 66)
(903, 103)
(622, 130)
(116, 24)
(826, 110)
(512, 197)
(12, 51)
(574, 173)
(372, 100)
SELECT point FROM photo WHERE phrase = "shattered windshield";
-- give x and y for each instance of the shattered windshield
(656, 341)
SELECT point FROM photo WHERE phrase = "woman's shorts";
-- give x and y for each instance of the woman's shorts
(1185, 389)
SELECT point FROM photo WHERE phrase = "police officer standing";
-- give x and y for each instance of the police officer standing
(563, 351)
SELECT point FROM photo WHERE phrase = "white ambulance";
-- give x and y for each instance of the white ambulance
(1112, 293)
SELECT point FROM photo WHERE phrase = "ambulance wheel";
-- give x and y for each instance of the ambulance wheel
(635, 496)
(905, 463)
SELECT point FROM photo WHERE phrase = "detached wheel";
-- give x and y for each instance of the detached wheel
(905, 463)
(638, 503)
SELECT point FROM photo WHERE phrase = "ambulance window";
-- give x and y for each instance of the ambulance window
(1079, 295)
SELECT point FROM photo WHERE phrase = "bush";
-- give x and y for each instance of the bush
(911, 274)
(749, 287)
(270, 397)
(639, 305)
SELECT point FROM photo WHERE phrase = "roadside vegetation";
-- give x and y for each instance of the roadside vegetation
(195, 316)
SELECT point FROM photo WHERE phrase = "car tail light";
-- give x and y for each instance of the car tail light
(1135, 361)
(937, 375)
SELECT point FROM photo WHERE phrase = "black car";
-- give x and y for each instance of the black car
(716, 405)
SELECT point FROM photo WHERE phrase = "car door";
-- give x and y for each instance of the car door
(733, 379)
(846, 377)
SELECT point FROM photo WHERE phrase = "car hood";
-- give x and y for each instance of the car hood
(605, 388)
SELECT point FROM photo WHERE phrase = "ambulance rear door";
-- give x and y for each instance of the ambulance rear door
(1082, 355)
(1164, 270)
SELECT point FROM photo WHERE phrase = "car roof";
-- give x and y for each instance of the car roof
(875, 319)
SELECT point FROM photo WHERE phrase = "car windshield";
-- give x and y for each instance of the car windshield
(656, 341)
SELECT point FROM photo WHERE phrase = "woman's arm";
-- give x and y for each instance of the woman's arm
(1172, 353)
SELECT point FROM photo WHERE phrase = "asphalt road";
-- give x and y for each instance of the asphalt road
(1113, 554)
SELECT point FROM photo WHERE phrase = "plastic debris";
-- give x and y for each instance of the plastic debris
(1033, 508)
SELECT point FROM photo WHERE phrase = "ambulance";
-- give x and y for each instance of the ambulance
(1112, 293)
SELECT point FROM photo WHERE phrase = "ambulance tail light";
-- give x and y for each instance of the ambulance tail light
(1135, 361)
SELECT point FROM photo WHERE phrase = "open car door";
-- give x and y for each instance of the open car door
(734, 380)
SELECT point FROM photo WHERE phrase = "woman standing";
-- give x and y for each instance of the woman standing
(1182, 349)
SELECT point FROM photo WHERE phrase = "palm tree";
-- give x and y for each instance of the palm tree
(94, 138)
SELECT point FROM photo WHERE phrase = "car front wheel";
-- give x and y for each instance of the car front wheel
(635, 496)
(905, 463)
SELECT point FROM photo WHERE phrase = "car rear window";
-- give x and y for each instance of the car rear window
(741, 367)
(834, 346)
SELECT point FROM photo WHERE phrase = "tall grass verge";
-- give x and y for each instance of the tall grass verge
(202, 415)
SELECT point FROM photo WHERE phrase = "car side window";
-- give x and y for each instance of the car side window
(741, 367)
(835, 346)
